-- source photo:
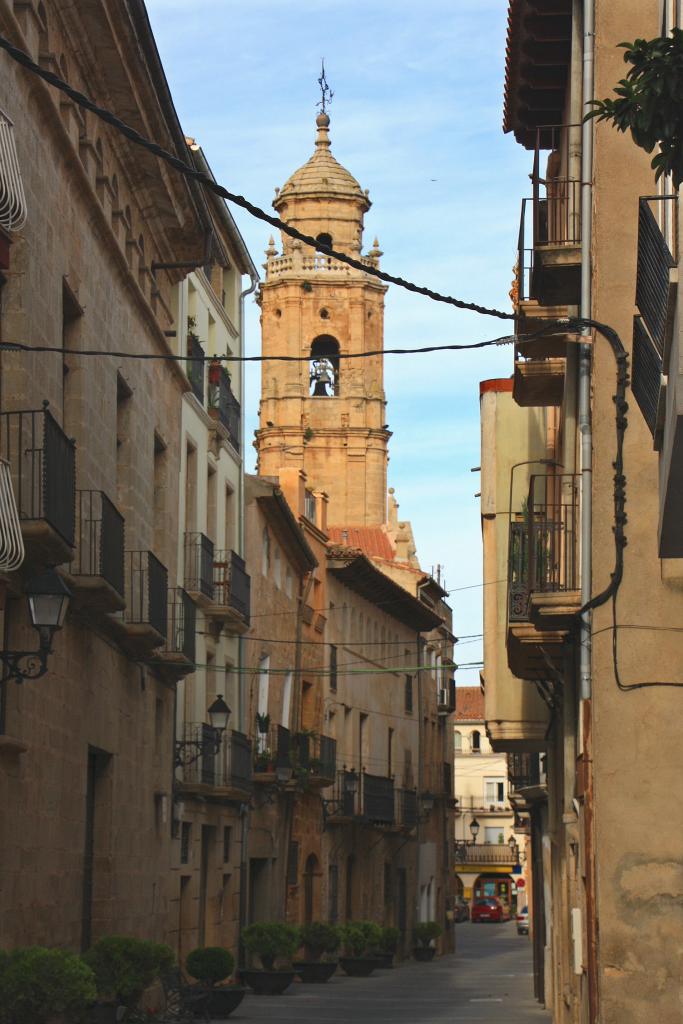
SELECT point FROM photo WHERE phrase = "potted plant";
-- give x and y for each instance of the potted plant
(124, 967)
(318, 940)
(262, 723)
(359, 938)
(424, 934)
(264, 761)
(270, 941)
(388, 944)
(210, 965)
(38, 985)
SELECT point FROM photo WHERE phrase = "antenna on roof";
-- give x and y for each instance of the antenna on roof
(326, 93)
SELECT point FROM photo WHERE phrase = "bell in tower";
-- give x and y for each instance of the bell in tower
(325, 413)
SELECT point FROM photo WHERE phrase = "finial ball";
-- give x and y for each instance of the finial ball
(322, 121)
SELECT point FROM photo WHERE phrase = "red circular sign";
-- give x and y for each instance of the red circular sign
(520, 883)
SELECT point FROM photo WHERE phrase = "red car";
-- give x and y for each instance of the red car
(487, 908)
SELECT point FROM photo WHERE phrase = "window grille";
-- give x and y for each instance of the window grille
(12, 197)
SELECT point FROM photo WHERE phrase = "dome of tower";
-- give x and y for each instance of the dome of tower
(322, 176)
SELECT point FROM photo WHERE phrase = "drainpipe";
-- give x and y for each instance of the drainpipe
(240, 506)
(584, 411)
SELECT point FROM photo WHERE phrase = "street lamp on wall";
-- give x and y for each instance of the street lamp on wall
(514, 849)
(189, 751)
(462, 845)
(48, 601)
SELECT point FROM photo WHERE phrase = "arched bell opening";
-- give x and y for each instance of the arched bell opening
(324, 367)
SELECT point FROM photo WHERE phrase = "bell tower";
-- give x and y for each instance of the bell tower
(325, 415)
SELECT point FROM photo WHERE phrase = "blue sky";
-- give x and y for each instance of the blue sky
(416, 118)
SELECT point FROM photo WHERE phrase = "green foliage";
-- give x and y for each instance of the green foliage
(361, 937)
(391, 936)
(425, 931)
(319, 938)
(271, 939)
(124, 967)
(262, 722)
(38, 983)
(649, 101)
(211, 964)
(309, 434)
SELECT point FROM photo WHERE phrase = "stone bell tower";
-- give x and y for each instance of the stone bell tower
(325, 415)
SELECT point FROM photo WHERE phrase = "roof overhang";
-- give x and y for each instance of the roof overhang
(280, 517)
(537, 58)
(359, 574)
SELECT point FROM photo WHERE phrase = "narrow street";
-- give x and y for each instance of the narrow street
(486, 982)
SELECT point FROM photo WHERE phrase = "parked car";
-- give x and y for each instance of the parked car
(523, 921)
(488, 908)
(461, 910)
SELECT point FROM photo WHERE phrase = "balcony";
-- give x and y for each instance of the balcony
(221, 777)
(550, 268)
(446, 696)
(195, 367)
(223, 406)
(231, 591)
(142, 627)
(478, 806)
(544, 592)
(484, 854)
(406, 814)
(96, 575)
(296, 263)
(42, 463)
(199, 567)
(273, 756)
(177, 659)
(538, 382)
(314, 759)
(367, 799)
(377, 793)
(524, 771)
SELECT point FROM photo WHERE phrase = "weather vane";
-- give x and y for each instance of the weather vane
(326, 93)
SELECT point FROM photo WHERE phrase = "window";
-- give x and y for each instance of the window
(324, 239)
(324, 367)
(390, 752)
(457, 741)
(476, 742)
(309, 506)
(265, 552)
(333, 668)
(293, 864)
(286, 700)
(409, 695)
(387, 886)
(494, 834)
(333, 894)
(494, 791)
(227, 835)
(185, 837)
(289, 589)
(276, 567)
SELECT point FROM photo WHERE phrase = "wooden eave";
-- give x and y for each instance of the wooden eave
(538, 53)
(356, 571)
(283, 522)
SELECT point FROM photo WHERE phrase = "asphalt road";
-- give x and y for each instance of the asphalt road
(487, 981)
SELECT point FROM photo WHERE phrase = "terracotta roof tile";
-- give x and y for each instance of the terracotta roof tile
(371, 540)
(469, 704)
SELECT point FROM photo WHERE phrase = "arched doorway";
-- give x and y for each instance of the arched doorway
(324, 367)
(311, 876)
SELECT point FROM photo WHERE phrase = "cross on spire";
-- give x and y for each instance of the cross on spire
(325, 91)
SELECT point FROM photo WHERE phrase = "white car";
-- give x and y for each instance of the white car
(522, 920)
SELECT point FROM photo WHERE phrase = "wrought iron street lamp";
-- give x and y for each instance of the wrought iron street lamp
(427, 803)
(514, 849)
(348, 788)
(189, 751)
(462, 845)
(48, 601)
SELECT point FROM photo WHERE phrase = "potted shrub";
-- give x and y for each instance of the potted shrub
(270, 941)
(124, 968)
(264, 761)
(39, 984)
(211, 965)
(318, 940)
(388, 944)
(424, 934)
(359, 939)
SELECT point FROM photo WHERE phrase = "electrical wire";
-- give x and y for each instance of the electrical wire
(189, 171)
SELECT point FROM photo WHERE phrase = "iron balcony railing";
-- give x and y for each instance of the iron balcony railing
(99, 539)
(524, 770)
(346, 798)
(480, 804)
(483, 853)
(273, 750)
(552, 214)
(42, 463)
(314, 753)
(182, 624)
(229, 768)
(199, 564)
(543, 542)
(195, 366)
(229, 412)
(406, 813)
(232, 583)
(146, 591)
(377, 799)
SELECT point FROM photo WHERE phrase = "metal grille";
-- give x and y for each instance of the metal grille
(327, 755)
(43, 469)
(195, 366)
(99, 539)
(652, 277)
(199, 564)
(523, 770)
(239, 767)
(647, 374)
(146, 590)
(553, 521)
(407, 813)
(378, 798)
(182, 621)
(408, 702)
(12, 198)
(229, 411)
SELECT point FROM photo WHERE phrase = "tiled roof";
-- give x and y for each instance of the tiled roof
(469, 704)
(371, 540)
